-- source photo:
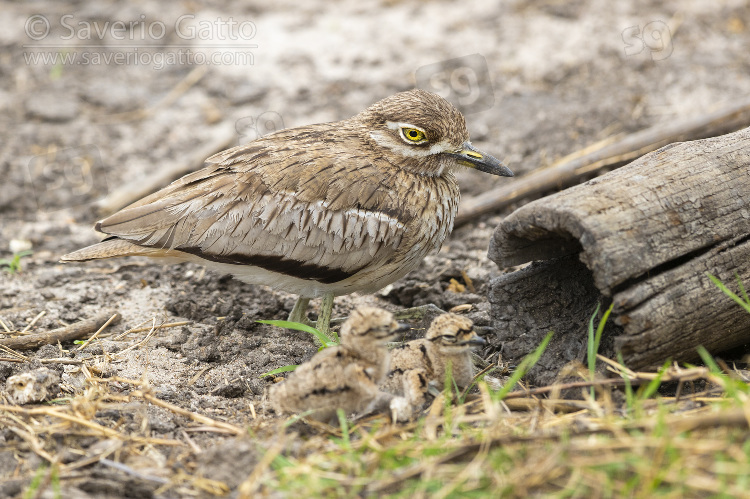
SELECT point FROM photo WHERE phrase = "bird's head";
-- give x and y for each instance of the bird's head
(369, 325)
(453, 334)
(425, 133)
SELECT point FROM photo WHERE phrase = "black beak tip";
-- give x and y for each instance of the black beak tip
(402, 327)
(478, 341)
(506, 172)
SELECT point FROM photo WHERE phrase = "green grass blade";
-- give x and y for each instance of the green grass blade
(595, 339)
(655, 383)
(344, 429)
(56, 489)
(730, 385)
(282, 369)
(457, 391)
(527, 363)
(280, 462)
(448, 394)
(298, 326)
(709, 361)
(36, 481)
(14, 263)
(591, 352)
(728, 292)
(629, 397)
(600, 330)
(742, 288)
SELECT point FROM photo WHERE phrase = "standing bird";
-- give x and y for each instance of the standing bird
(414, 365)
(319, 211)
(345, 376)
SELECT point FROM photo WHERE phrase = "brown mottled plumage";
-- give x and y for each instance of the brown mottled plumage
(346, 376)
(416, 364)
(319, 210)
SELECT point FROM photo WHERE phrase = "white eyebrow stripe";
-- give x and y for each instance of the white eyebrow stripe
(435, 148)
(393, 125)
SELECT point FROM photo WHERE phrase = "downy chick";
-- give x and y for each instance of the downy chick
(345, 376)
(414, 365)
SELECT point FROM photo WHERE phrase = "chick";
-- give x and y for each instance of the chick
(346, 376)
(416, 364)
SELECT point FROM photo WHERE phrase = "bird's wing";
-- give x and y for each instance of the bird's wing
(409, 355)
(274, 208)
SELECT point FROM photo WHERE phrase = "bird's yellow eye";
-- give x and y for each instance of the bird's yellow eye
(413, 135)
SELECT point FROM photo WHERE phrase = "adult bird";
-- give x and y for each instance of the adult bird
(320, 210)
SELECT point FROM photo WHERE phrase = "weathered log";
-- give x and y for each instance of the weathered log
(604, 156)
(72, 332)
(648, 233)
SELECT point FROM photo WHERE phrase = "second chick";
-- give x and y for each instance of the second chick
(415, 364)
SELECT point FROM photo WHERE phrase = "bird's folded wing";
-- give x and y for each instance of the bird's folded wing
(225, 214)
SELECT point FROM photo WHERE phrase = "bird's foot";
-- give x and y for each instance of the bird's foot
(401, 410)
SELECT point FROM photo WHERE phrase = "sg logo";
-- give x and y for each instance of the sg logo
(67, 178)
(656, 36)
(464, 81)
(254, 127)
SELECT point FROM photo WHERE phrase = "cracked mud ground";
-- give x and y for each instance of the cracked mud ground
(558, 77)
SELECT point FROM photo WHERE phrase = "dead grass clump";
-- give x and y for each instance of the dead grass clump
(679, 432)
(687, 445)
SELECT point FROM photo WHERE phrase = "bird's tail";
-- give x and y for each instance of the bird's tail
(110, 248)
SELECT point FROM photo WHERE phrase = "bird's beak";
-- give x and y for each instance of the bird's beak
(472, 157)
(474, 341)
(402, 328)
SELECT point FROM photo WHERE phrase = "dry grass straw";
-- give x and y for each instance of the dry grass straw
(684, 446)
(39, 428)
(64, 427)
(533, 442)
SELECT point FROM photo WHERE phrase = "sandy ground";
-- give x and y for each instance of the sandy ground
(537, 80)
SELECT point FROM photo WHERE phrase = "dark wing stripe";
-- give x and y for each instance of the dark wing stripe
(281, 265)
(326, 391)
(427, 361)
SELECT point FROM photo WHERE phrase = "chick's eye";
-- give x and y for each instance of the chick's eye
(413, 135)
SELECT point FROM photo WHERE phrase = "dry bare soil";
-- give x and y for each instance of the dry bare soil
(558, 77)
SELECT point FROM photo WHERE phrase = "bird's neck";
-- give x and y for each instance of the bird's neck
(429, 167)
(375, 354)
(461, 366)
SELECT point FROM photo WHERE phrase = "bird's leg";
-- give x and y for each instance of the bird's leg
(299, 312)
(324, 316)
(415, 387)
